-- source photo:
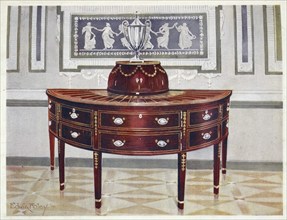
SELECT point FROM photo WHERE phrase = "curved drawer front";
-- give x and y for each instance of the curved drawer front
(202, 116)
(203, 136)
(123, 141)
(52, 106)
(226, 108)
(79, 136)
(77, 115)
(225, 125)
(52, 126)
(139, 121)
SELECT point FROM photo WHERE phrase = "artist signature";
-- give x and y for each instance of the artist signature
(23, 208)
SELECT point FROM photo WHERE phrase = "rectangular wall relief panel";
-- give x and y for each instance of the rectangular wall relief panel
(272, 39)
(37, 42)
(244, 39)
(84, 43)
(13, 36)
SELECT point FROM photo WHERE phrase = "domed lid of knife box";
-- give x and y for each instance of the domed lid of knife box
(139, 78)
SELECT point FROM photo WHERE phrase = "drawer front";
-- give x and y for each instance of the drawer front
(53, 126)
(203, 137)
(79, 136)
(224, 127)
(226, 108)
(77, 115)
(52, 107)
(140, 121)
(138, 142)
(203, 116)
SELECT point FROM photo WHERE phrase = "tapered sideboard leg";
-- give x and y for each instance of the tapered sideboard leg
(216, 169)
(224, 155)
(61, 150)
(52, 150)
(98, 178)
(181, 179)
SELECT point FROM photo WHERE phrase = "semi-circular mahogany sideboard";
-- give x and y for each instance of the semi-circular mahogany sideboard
(174, 122)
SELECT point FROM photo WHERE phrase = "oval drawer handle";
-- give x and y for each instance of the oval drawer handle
(74, 134)
(50, 104)
(162, 143)
(206, 136)
(118, 121)
(73, 114)
(206, 116)
(50, 123)
(162, 121)
(119, 143)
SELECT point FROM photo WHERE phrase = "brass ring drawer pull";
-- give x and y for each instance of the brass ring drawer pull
(118, 121)
(206, 136)
(162, 143)
(73, 114)
(119, 143)
(74, 134)
(162, 121)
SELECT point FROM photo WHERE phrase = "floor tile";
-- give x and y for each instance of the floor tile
(34, 191)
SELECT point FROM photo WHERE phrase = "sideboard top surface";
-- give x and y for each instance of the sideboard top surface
(172, 97)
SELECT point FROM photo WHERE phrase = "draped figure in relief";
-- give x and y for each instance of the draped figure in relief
(90, 37)
(108, 36)
(185, 36)
(164, 39)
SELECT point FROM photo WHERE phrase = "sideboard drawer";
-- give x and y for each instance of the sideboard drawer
(226, 108)
(53, 126)
(203, 116)
(138, 142)
(225, 127)
(80, 136)
(203, 136)
(52, 107)
(140, 121)
(77, 115)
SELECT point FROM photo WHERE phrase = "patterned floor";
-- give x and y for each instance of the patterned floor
(35, 191)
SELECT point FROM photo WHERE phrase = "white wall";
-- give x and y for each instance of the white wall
(255, 134)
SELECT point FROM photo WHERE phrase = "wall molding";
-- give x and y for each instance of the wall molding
(13, 38)
(37, 38)
(272, 44)
(234, 104)
(244, 39)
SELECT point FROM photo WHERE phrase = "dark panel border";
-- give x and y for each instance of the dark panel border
(234, 104)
